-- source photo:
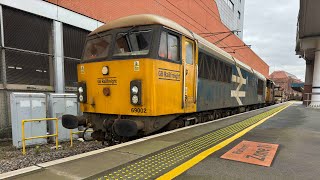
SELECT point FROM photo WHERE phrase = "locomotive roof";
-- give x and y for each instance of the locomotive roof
(208, 46)
(140, 20)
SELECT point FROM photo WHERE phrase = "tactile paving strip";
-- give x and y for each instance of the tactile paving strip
(158, 163)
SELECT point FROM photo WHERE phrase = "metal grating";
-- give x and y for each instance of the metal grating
(26, 68)
(28, 43)
(70, 72)
(213, 69)
(73, 43)
(26, 31)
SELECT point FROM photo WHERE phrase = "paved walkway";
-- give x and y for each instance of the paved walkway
(296, 130)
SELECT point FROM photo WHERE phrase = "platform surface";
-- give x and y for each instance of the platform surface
(296, 130)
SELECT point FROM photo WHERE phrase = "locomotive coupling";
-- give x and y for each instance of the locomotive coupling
(127, 128)
(71, 121)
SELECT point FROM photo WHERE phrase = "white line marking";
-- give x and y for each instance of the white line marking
(19, 171)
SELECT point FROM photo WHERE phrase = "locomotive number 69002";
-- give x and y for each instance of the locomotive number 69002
(139, 110)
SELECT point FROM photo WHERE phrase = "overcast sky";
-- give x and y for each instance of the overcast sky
(270, 27)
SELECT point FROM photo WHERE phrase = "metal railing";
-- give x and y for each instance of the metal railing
(38, 137)
(308, 99)
(77, 132)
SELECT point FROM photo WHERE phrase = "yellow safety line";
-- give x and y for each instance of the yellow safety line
(195, 160)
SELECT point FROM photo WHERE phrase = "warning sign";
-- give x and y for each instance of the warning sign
(252, 152)
(136, 66)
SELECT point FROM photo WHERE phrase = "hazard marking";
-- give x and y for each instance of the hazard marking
(82, 69)
(136, 65)
(253, 153)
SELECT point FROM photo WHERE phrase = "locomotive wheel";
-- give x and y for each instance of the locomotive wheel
(175, 124)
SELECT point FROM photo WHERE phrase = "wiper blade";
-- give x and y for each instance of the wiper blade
(99, 35)
(128, 32)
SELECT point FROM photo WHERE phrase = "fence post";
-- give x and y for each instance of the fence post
(57, 133)
(71, 138)
(23, 139)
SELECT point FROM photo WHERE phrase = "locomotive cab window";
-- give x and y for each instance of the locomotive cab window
(97, 47)
(169, 47)
(133, 43)
(189, 52)
(163, 49)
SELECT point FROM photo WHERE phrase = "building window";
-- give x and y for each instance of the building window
(239, 15)
(28, 38)
(73, 43)
(230, 3)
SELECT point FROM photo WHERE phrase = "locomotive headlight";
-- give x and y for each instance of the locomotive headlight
(81, 98)
(134, 90)
(105, 70)
(135, 99)
(80, 90)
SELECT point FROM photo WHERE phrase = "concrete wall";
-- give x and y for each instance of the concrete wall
(5, 123)
(230, 17)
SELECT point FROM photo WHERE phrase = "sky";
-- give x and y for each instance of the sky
(270, 27)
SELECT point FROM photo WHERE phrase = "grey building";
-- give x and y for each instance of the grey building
(308, 48)
(232, 14)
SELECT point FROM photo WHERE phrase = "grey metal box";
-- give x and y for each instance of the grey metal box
(28, 106)
(58, 105)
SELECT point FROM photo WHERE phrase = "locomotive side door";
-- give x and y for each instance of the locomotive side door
(189, 62)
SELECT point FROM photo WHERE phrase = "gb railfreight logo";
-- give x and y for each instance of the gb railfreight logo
(167, 74)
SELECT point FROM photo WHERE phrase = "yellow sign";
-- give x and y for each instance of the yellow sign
(136, 66)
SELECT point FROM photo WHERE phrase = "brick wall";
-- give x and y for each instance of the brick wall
(199, 16)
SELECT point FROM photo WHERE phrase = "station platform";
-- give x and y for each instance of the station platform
(194, 152)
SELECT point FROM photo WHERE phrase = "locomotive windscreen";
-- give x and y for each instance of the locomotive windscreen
(133, 43)
(97, 48)
(119, 43)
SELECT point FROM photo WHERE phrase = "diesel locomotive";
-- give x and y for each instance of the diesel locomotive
(144, 73)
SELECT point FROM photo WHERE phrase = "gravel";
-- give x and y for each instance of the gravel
(11, 158)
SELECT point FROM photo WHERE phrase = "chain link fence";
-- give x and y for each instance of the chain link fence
(73, 43)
